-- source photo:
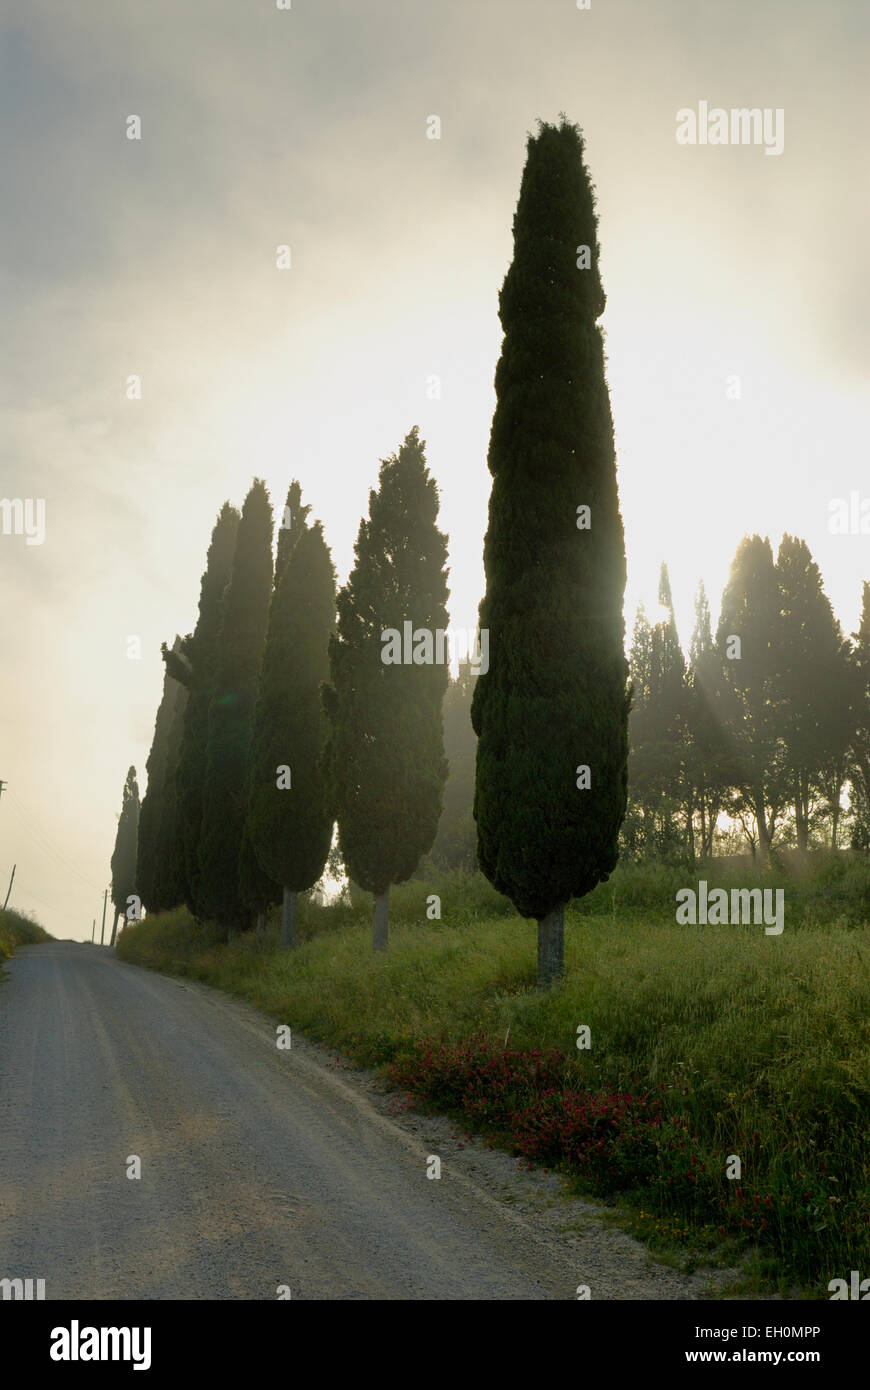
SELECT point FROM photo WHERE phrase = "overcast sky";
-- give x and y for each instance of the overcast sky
(307, 127)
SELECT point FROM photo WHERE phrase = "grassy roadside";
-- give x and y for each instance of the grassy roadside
(706, 1042)
(16, 930)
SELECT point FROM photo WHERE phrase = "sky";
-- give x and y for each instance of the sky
(307, 127)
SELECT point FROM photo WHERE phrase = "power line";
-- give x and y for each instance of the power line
(47, 845)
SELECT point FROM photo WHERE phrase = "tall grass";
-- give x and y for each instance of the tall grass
(18, 930)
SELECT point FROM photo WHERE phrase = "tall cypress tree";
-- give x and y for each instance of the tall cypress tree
(815, 691)
(750, 695)
(239, 650)
(124, 853)
(384, 757)
(194, 667)
(168, 882)
(289, 819)
(555, 696)
(257, 889)
(159, 790)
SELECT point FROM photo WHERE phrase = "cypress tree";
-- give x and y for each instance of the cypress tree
(159, 790)
(710, 760)
(289, 818)
(750, 695)
(124, 853)
(555, 696)
(384, 757)
(193, 666)
(814, 680)
(168, 885)
(238, 653)
(257, 890)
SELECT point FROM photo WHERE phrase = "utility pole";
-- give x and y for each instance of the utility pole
(93, 929)
(103, 927)
(3, 786)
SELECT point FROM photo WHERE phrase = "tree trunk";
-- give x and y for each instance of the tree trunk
(114, 928)
(690, 826)
(289, 905)
(801, 813)
(260, 917)
(380, 928)
(551, 947)
(763, 834)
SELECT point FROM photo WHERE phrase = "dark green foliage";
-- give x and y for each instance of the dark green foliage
(239, 649)
(193, 666)
(385, 752)
(257, 890)
(126, 842)
(161, 790)
(168, 884)
(814, 691)
(555, 695)
(750, 695)
(291, 827)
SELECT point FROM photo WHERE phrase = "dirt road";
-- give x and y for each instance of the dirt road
(260, 1168)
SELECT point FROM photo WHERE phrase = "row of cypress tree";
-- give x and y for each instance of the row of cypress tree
(288, 719)
(279, 717)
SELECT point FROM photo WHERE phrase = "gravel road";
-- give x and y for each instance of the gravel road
(259, 1167)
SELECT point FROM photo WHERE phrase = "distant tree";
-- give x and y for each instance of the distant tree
(168, 881)
(124, 853)
(637, 833)
(711, 763)
(238, 653)
(814, 690)
(751, 691)
(289, 818)
(859, 751)
(384, 757)
(657, 774)
(455, 844)
(159, 791)
(555, 698)
(194, 667)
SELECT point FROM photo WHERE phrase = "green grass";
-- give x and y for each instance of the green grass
(757, 1046)
(16, 930)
